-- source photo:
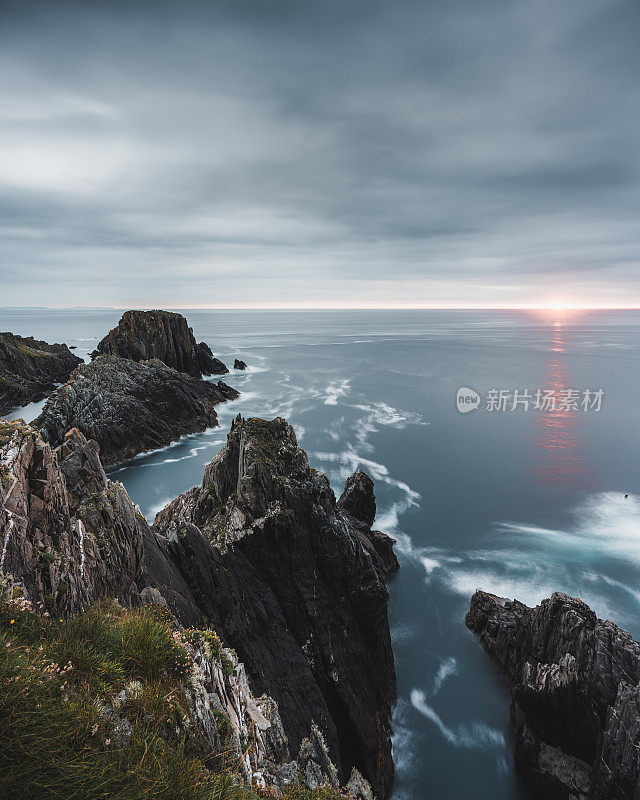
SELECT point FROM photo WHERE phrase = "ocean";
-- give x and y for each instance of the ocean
(512, 498)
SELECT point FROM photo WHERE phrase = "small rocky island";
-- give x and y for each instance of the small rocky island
(129, 407)
(162, 335)
(29, 369)
(575, 698)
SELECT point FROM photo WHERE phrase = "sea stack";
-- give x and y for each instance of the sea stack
(164, 335)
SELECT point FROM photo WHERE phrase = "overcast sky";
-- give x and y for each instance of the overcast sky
(347, 153)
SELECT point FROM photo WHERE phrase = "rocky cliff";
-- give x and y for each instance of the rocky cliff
(263, 554)
(163, 335)
(575, 698)
(29, 369)
(70, 537)
(129, 407)
(294, 582)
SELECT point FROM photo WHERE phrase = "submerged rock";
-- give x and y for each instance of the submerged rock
(165, 335)
(29, 369)
(129, 407)
(575, 695)
(238, 364)
(295, 585)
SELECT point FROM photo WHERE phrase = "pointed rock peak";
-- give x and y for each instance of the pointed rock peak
(165, 335)
(358, 498)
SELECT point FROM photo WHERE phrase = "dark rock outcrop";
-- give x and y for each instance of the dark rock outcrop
(165, 335)
(359, 501)
(238, 364)
(129, 407)
(575, 698)
(29, 369)
(295, 584)
(69, 535)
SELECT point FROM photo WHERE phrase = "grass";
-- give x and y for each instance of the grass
(61, 722)
(69, 732)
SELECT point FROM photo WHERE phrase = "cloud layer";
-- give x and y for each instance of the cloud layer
(337, 153)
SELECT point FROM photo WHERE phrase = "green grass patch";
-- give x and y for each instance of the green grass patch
(61, 709)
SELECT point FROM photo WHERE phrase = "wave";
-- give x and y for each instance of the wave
(476, 735)
(447, 669)
(336, 390)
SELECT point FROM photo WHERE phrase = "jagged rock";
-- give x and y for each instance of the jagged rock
(29, 369)
(165, 335)
(315, 763)
(294, 584)
(574, 698)
(359, 787)
(238, 364)
(65, 544)
(358, 498)
(129, 407)
(70, 537)
(359, 501)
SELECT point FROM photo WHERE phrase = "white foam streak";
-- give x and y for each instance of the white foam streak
(448, 668)
(335, 391)
(477, 735)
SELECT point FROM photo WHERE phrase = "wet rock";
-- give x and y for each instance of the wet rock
(574, 701)
(29, 369)
(295, 585)
(162, 335)
(129, 407)
(238, 364)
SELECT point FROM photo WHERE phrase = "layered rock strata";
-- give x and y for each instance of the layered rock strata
(162, 335)
(575, 699)
(294, 582)
(29, 369)
(129, 407)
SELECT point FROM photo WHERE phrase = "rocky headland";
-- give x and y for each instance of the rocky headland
(294, 582)
(162, 335)
(130, 407)
(575, 698)
(261, 555)
(29, 369)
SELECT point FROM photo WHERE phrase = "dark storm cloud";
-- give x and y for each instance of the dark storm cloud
(319, 153)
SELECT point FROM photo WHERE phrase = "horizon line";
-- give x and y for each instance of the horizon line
(379, 307)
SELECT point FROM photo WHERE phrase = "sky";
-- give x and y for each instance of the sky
(334, 153)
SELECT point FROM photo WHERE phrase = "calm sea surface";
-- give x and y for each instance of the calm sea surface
(521, 503)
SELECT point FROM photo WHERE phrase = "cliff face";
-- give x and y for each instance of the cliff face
(166, 336)
(69, 535)
(277, 568)
(575, 698)
(129, 407)
(30, 368)
(296, 585)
